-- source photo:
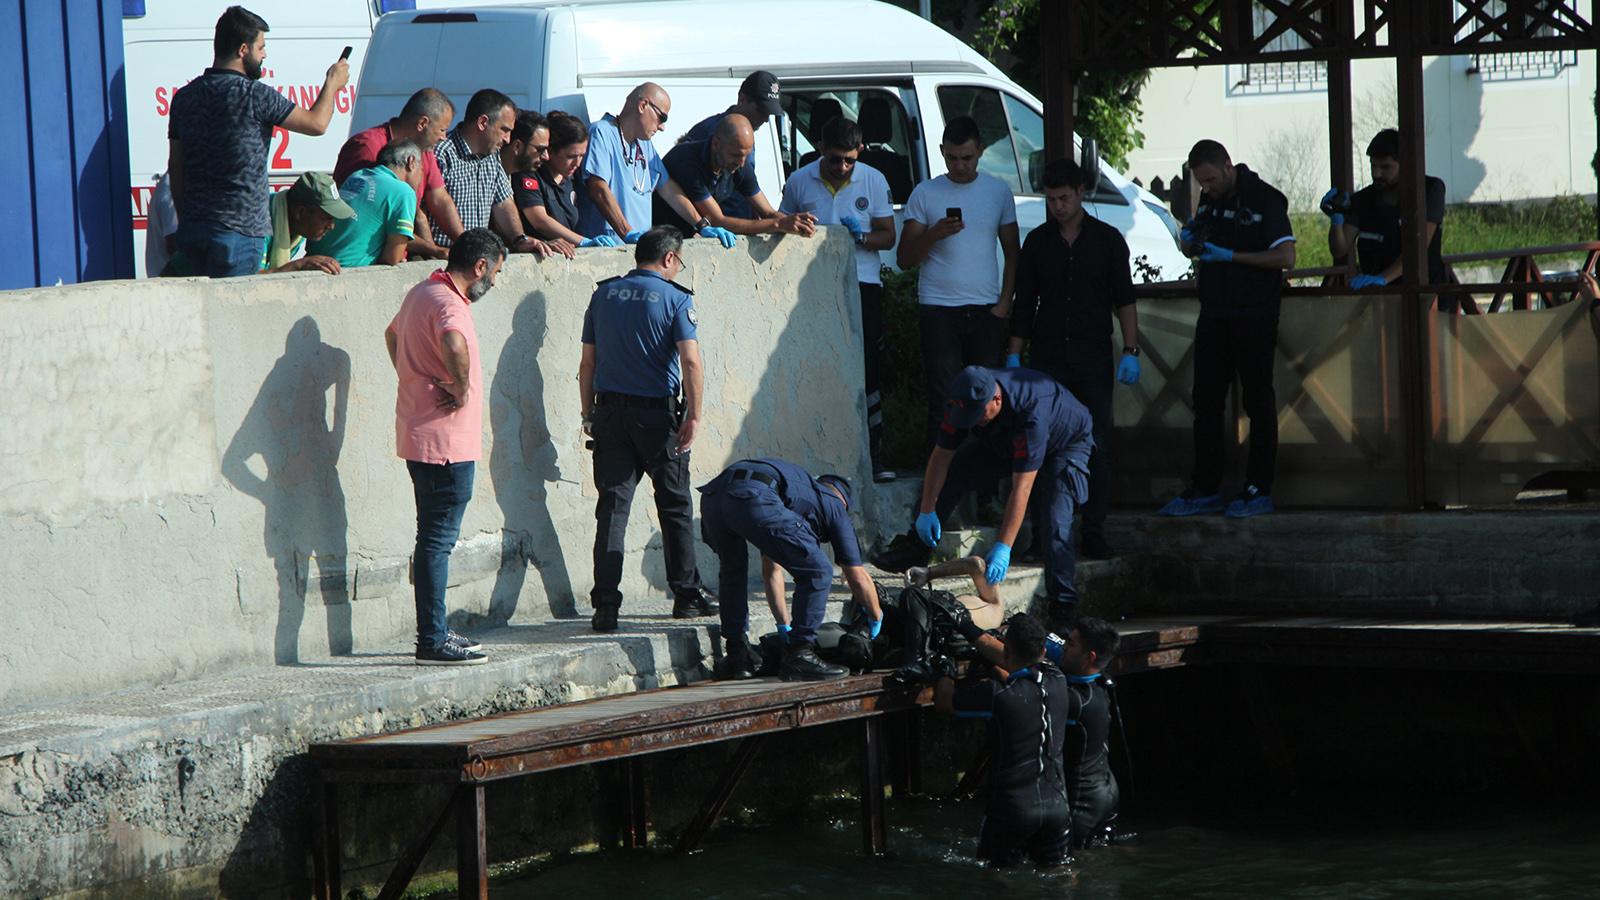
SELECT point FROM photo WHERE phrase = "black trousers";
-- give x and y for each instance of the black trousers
(1084, 368)
(954, 337)
(628, 443)
(1223, 348)
(872, 361)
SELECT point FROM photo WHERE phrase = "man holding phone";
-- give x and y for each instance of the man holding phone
(951, 225)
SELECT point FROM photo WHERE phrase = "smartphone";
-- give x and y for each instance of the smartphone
(952, 212)
(346, 53)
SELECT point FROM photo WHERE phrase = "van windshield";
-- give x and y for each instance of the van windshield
(884, 130)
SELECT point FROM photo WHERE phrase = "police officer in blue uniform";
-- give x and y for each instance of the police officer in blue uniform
(1024, 424)
(639, 350)
(787, 514)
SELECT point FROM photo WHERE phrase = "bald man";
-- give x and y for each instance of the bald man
(712, 173)
(622, 172)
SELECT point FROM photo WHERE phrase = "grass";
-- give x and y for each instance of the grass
(1474, 228)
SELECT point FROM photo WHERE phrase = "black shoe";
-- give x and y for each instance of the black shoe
(604, 619)
(694, 605)
(802, 664)
(462, 641)
(448, 654)
(737, 663)
(1094, 546)
(904, 552)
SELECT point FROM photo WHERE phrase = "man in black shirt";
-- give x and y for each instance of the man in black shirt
(1072, 277)
(1370, 219)
(1242, 241)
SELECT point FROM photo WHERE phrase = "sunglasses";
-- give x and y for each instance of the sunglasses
(659, 114)
(841, 161)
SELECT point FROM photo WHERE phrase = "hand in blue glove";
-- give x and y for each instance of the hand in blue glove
(874, 628)
(1128, 369)
(1333, 202)
(928, 528)
(633, 236)
(1013, 360)
(1212, 253)
(1362, 282)
(783, 630)
(999, 562)
(1186, 233)
(601, 240)
(721, 234)
(853, 225)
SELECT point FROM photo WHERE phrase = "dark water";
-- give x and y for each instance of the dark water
(1485, 854)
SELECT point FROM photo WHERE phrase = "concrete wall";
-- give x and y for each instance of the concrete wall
(201, 474)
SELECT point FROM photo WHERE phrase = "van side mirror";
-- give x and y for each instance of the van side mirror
(1089, 161)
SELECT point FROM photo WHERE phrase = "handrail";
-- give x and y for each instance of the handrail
(1482, 255)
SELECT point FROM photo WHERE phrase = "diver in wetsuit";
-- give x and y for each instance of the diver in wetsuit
(1028, 813)
(1082, 656)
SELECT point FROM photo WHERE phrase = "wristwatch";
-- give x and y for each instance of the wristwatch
(702, 225)
(1130, 351)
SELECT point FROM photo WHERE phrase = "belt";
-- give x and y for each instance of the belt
(764, 478)
(634, 401)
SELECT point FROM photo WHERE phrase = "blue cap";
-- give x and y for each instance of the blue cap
(970, 391)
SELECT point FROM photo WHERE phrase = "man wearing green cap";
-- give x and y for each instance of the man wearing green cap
(308, 209)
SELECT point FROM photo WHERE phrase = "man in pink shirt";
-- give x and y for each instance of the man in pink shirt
(426, 120)
(439, 423)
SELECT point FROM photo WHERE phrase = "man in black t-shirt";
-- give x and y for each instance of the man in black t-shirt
(1242, 243)
(1369, 220)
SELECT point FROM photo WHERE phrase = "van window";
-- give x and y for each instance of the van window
(1027, 132)
(984, 106)
(885, 130)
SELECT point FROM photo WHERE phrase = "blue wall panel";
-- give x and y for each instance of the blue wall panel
(61, 66)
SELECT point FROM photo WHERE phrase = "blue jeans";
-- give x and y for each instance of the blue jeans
(749, 511)
(442, 492)
(218, 252)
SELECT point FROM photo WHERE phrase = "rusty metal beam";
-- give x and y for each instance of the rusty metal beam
(326, 859)
(874, 825)
(405, 868)
(695, 834)
(472, 843)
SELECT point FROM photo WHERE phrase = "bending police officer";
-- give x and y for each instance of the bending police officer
(639, 350)
(786, 513)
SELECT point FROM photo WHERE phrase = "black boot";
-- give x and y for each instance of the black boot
(604, 619)
(1094, 546)
(800, 663)
(738, 663)
(904, 552)
(693, 605)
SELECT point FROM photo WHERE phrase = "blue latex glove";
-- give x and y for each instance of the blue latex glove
(633, 236)
(601, 240)
(1362, 282)
(721, 234)
(928, 528)
(853, 225)
(1213, 253)
(1013, 360)
(1186, 233)
(874, 628)
(783, 630)
(1128, 369)
(999, 562)
(1334, 198)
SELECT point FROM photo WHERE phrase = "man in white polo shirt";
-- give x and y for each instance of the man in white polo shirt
(951, 224)
(838, 190)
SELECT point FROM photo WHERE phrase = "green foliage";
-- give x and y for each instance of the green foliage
(1474, 228)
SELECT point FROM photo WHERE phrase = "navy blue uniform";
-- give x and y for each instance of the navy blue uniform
(782, 510)
(635, 322)
(691, 166)
(736, 206)
(1041, 428)
(1028, 810)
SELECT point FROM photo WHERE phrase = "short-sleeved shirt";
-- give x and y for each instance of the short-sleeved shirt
(1039, 419)
(476, 183)
(384, 205)
(635, 322)
(424, 432)
(560, 200)
(1069, 291)
(865, 196)
(632, 173)
(690, 165)
(361, 152)
(1378, 223)
(224, 123)
(1254, 219)
(807, 498)
(964, 268)
(703, 130)
(1028, 716)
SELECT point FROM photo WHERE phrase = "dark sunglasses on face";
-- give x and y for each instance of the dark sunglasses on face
(659, 114)
(841, 161)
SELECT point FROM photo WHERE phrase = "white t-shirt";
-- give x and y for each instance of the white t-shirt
(865, 196)
(963, 269)
(160, 224)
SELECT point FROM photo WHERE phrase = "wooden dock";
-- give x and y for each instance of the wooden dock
(464, 756)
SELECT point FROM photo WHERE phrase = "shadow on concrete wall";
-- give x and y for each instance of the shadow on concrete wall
(289, 428)
(522, 465)
(1463, 174)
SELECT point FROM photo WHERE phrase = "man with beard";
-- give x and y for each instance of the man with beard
(218, 135)
(1370, 219)
(433, 345)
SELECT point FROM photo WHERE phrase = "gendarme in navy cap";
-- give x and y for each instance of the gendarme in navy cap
(970, 391)
(762, 87)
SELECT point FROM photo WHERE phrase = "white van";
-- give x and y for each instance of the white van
(899, 76)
